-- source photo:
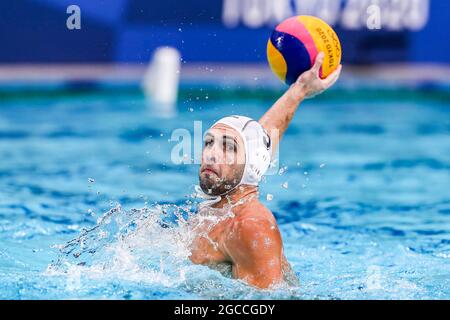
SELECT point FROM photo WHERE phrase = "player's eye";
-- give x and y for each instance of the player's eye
(208, 142)
(230, 146)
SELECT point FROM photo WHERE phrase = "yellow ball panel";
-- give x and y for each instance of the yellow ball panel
(326, 40)
(276, 61)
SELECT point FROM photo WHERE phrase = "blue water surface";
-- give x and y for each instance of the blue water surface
(362, 200)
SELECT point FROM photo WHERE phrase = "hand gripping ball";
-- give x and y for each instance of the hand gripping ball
(295, 44)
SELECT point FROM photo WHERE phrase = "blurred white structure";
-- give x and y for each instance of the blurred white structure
(162, 78)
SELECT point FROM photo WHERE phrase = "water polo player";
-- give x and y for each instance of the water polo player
(234, 228)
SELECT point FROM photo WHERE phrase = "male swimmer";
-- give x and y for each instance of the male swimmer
(237, 152)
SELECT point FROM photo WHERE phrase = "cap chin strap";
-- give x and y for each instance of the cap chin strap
(209, 200)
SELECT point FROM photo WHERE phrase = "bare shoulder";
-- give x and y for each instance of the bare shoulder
(255, 210)
(255, 230)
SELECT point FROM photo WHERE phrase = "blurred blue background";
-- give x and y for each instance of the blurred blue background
(122, 31)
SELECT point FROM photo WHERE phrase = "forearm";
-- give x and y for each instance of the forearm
(277, 119)
(309, 84)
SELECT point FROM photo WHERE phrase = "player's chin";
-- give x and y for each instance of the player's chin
(207, 181)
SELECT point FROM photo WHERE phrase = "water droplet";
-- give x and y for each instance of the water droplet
(282, 170)
(285, 185)
(269, 197)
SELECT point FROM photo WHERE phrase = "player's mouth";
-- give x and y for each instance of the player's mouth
(209, 170)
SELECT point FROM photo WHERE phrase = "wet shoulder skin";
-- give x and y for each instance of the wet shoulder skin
(250, 241)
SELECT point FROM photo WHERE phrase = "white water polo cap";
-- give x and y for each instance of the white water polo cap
(257, 145)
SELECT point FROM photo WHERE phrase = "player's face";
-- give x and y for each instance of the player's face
(223, 160)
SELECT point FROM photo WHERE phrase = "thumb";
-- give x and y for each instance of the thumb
(333, 77)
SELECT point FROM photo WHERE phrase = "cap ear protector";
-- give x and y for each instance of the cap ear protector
(257, 145)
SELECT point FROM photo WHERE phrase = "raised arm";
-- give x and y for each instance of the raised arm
(276, 120)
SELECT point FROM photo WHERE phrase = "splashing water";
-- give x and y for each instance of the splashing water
(135, 245)
(150, 246)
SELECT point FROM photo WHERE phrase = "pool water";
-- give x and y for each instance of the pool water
(91, 205)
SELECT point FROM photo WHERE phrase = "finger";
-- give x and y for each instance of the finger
(318, 63)
(333, 77)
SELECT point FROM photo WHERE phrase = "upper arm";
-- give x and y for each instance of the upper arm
(256, 252)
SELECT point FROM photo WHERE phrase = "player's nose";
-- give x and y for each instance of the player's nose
(209, 156)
